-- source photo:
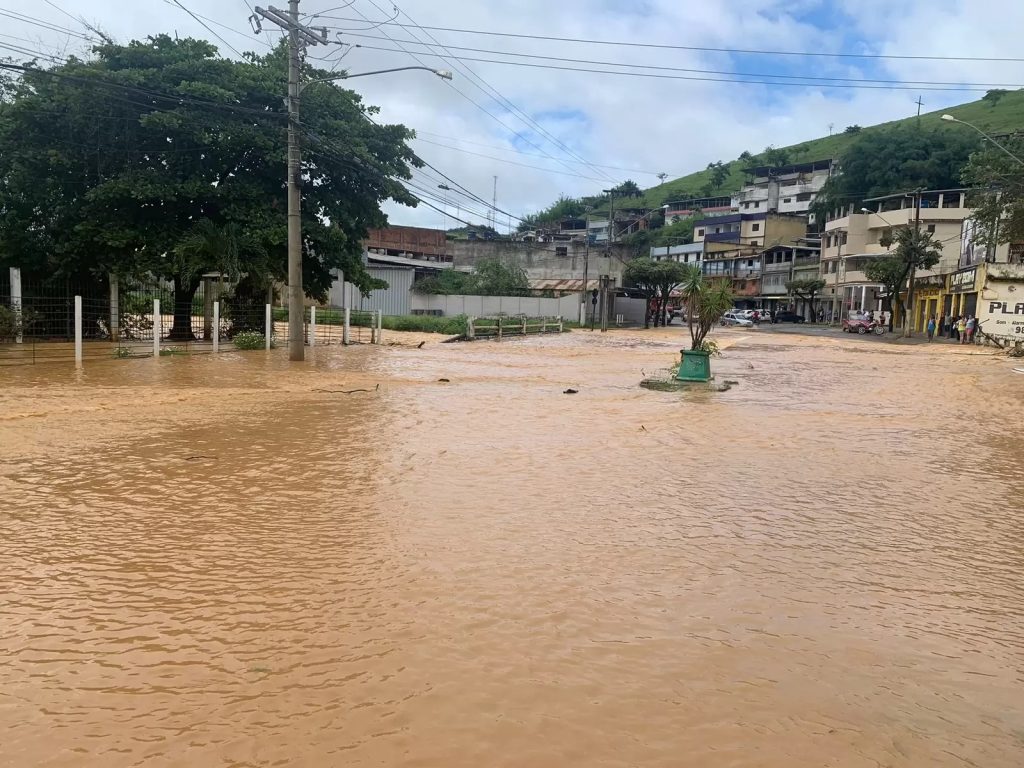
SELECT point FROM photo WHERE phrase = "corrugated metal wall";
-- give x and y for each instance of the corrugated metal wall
(393, 300)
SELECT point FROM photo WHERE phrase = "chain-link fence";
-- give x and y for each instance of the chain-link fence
(61, 322)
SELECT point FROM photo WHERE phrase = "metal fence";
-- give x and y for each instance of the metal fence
(59, 323)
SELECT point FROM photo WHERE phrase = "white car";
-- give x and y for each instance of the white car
(747, 314)
(734, 318)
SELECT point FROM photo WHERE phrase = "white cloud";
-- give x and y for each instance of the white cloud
(675, 126)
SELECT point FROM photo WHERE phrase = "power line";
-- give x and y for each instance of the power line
(694, 77)
(177, 98)
(511, 162)
(206, 26)
(44, 24)
(662, 46)
(520, 152)
(502, 99)
(480, 106)
(680, 69)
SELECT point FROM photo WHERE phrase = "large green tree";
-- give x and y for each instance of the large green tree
(915, 249)
(901, 158)
(997, 176)
(140, 160)
(806, 289)
(643, 275)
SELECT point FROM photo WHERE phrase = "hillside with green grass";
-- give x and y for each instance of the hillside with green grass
(995, 114)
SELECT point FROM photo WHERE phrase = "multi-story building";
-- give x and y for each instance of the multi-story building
(688, 253)
(782, 264)
(733, 243)
(855, 235)
(786, 189)
(704, 206)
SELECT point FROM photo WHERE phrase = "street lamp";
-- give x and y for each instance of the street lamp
(951, 119)
(296, 295)
(444, 214)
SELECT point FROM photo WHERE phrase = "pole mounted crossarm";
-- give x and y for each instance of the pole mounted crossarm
(311, 35)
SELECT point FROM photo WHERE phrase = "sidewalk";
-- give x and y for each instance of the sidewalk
(823, 329)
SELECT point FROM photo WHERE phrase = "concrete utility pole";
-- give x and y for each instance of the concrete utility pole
(909, 319)
(298, 34)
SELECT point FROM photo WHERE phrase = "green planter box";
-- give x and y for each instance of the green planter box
(696, 366)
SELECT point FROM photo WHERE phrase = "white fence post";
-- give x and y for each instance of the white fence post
(157, 327)
(312, 326)
(268, 326)
(345, 327)
(380, 326)
(78, 331)
(16, 303)
(115, 309)
(470, 331)
(216, 326)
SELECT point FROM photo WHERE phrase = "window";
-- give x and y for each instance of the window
(718, 230)
(756, 228)
(787, 200)
(700, 233)
(931, 228)
(561, 250)
(803, 197)
(842, 238)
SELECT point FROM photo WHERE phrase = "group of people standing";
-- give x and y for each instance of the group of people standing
(962, 328)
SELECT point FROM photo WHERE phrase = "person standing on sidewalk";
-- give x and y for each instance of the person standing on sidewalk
(971, 325)
(931, 327)
(961, 330)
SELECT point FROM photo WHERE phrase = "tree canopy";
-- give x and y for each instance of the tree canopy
(914, 250)
(160, 158)
(902, 158)
(999, 197)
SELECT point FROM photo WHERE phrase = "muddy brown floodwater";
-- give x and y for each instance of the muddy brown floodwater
(208, 562)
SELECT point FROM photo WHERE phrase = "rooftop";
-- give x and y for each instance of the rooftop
(782, 170)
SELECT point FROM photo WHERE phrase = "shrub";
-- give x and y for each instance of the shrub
(250, 340)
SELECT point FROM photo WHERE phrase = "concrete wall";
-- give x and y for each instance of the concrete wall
(484, 306)
(541, 260)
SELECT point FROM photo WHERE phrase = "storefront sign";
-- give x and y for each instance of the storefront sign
(1001, 310)
(963, 281)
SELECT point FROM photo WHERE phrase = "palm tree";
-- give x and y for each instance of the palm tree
(706, 302)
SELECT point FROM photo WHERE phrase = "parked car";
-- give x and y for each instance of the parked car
(788, 317)
(732, 318)
(858, 322)
(676, 312)
(746, 314)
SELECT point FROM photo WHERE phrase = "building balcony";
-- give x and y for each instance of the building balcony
(783, 267)
(806, 261)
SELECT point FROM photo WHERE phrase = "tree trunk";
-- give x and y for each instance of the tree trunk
(184, 292)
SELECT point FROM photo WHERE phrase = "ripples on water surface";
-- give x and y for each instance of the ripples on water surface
(205, 562)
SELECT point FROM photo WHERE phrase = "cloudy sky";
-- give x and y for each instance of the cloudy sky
(545, 132)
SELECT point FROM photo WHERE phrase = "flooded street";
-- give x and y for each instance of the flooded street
(209, 561)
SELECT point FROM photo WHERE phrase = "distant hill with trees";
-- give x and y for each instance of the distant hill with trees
(998, 112)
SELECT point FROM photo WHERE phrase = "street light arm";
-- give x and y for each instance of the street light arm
(951, 119)
(444, 74)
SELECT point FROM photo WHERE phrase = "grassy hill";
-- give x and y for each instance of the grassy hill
(1004, 116)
